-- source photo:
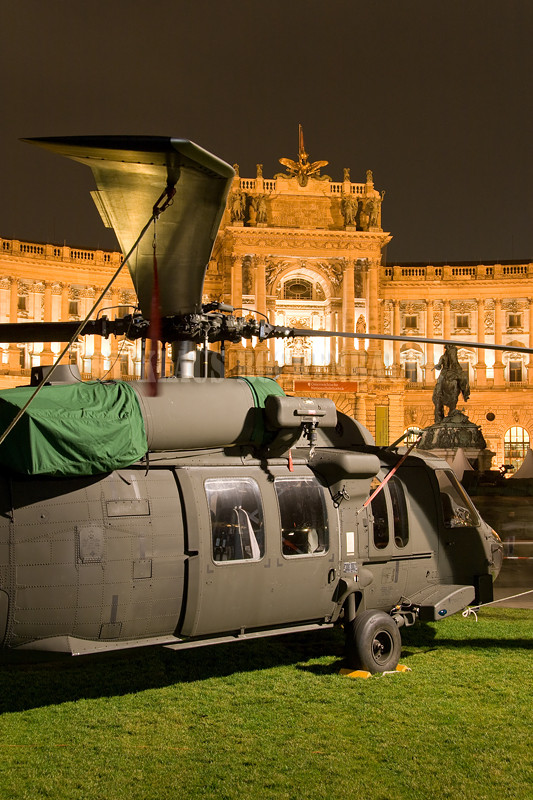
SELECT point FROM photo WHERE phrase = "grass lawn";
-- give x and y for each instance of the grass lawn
(274, 719)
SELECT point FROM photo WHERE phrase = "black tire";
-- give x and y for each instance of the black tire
(373, 642)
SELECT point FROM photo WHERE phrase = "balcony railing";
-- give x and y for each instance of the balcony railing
(58, 253)
(455, 272)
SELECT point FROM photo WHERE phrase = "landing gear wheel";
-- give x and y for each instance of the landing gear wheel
(373, 642)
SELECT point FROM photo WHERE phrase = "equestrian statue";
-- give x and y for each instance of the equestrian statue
(451, 382)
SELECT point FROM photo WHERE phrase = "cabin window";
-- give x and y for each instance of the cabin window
(380, 516)
(303, 516)
(457, 508)
(237, 529)
(399, 512)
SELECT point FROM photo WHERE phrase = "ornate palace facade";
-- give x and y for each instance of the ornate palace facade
(306, 251)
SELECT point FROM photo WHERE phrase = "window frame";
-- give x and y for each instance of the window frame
(514, 368)
(285, 545)
(241, 518)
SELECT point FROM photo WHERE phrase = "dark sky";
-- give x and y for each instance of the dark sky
(435, 96)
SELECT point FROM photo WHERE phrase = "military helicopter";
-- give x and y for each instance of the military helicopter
(216, 509)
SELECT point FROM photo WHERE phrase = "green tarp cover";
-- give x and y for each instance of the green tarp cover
(72, 429)
(261, 389)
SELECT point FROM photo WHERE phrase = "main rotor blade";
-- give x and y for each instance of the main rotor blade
(59, 331)
(389, 337)
(131, 172)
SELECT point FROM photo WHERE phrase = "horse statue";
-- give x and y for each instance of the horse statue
(451, 382)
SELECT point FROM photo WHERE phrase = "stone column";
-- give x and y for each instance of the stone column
(429, 375)
(261, 349)
(481, 367)
(446, 319)
(397, 346)
(530, 323)
(14, 351)
(114, 341)
(348, 318)
(375, 349)
(47, 357)
(64, 303)
(235, 353)
(498, 339)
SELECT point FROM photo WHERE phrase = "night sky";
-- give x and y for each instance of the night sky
(435, 96)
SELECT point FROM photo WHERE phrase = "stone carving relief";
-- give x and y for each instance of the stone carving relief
(127, 299)
(273, 269)
(515, 305)
(316, 240)
(333, 270)
(464, 307)
(412, 307)
(387, 318)
(489, 323)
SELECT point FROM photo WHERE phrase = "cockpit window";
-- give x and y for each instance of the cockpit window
(399, 512)
(303, 516)
(457, 507)
(380, 515)
(236, 510)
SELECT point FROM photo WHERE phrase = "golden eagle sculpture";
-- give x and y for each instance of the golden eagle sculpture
(302, 169)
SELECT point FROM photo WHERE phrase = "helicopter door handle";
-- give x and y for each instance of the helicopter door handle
(331, 575)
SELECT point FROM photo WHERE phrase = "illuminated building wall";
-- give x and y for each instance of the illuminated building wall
(306, 251)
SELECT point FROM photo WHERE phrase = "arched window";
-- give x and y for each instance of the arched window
(515, 446)
(297, 289)
(413, 433)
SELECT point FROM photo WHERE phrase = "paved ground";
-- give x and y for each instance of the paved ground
(525, 601)
(515, 578)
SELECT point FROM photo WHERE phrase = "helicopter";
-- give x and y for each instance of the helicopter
(191, 510)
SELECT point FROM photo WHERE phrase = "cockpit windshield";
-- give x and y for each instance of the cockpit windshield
(457, 507)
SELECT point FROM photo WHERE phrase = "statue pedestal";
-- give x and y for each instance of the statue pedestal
(443, 439)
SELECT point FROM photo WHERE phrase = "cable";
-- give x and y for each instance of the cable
(474, 609)
(168, 193)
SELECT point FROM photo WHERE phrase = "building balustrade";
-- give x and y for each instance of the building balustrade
(447, 272)
(51, 252)
(265, 185)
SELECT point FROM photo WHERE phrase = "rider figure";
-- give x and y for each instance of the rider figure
(451, 382)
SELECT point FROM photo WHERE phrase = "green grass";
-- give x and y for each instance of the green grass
(274, 719)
